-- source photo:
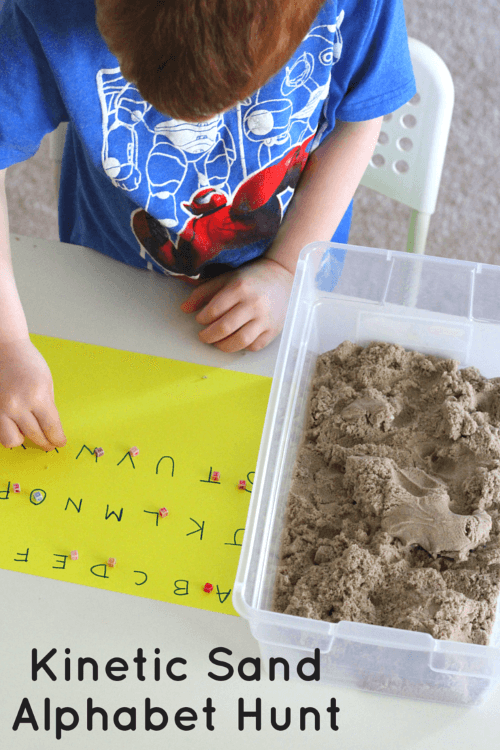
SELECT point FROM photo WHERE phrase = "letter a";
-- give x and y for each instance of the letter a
(25, 706)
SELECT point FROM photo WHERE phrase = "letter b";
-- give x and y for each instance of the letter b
(155, 710)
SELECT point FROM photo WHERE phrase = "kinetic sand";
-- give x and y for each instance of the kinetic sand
(393, 514)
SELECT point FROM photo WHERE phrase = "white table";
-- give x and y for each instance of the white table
(76, 293)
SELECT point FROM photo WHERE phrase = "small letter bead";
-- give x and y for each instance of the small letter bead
(112, 562)
(163, 512)
(74, 555)
(242, 485)
(208, 588)
(37, 497)
(16, 487)
(216, 476)
(99, 452)
(134, 451)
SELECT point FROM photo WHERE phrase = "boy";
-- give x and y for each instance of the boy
(191, 126)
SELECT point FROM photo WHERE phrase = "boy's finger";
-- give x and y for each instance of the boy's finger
(10, 434)
(226, 325)
(30, 428)
(220, 304)
(201, 294)
(262, 341)
(240, 339)
(51, 426)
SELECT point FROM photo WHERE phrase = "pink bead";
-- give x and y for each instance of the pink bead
(74, 555)
(216, 476)
(16, 487)
(99, 452)
(163, 512)
(208, 588)
(242, 485)
(112, 562)
(134, 451)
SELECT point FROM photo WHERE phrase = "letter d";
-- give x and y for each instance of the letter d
(99, 575)
(314, 660)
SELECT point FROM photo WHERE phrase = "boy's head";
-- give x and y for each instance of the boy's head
(193, 59)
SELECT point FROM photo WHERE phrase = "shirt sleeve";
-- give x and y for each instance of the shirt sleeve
(30, 102)
(375, 67)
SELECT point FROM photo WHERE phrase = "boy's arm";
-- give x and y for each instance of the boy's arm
(12, 319)
(246, 308)
(326, 187)
(26, 392)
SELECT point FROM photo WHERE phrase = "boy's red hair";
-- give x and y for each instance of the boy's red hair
(195, 58)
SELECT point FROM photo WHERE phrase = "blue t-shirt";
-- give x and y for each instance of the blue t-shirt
(187, 198)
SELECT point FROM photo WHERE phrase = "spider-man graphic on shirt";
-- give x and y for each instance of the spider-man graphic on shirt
(255, 213)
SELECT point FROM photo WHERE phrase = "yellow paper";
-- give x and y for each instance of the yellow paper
(188, 422)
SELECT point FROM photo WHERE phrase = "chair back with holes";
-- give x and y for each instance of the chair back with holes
(408, 159)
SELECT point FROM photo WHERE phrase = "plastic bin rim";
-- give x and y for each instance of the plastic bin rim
(312, 247)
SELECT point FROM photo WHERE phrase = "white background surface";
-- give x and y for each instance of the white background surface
(75, 293)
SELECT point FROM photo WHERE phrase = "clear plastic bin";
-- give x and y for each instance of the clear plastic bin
(433, 305)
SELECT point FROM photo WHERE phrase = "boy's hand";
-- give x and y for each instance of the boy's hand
(27, 406)
(244, 308)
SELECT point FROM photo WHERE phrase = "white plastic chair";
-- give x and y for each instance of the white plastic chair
(408, 159)
(56, 147)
